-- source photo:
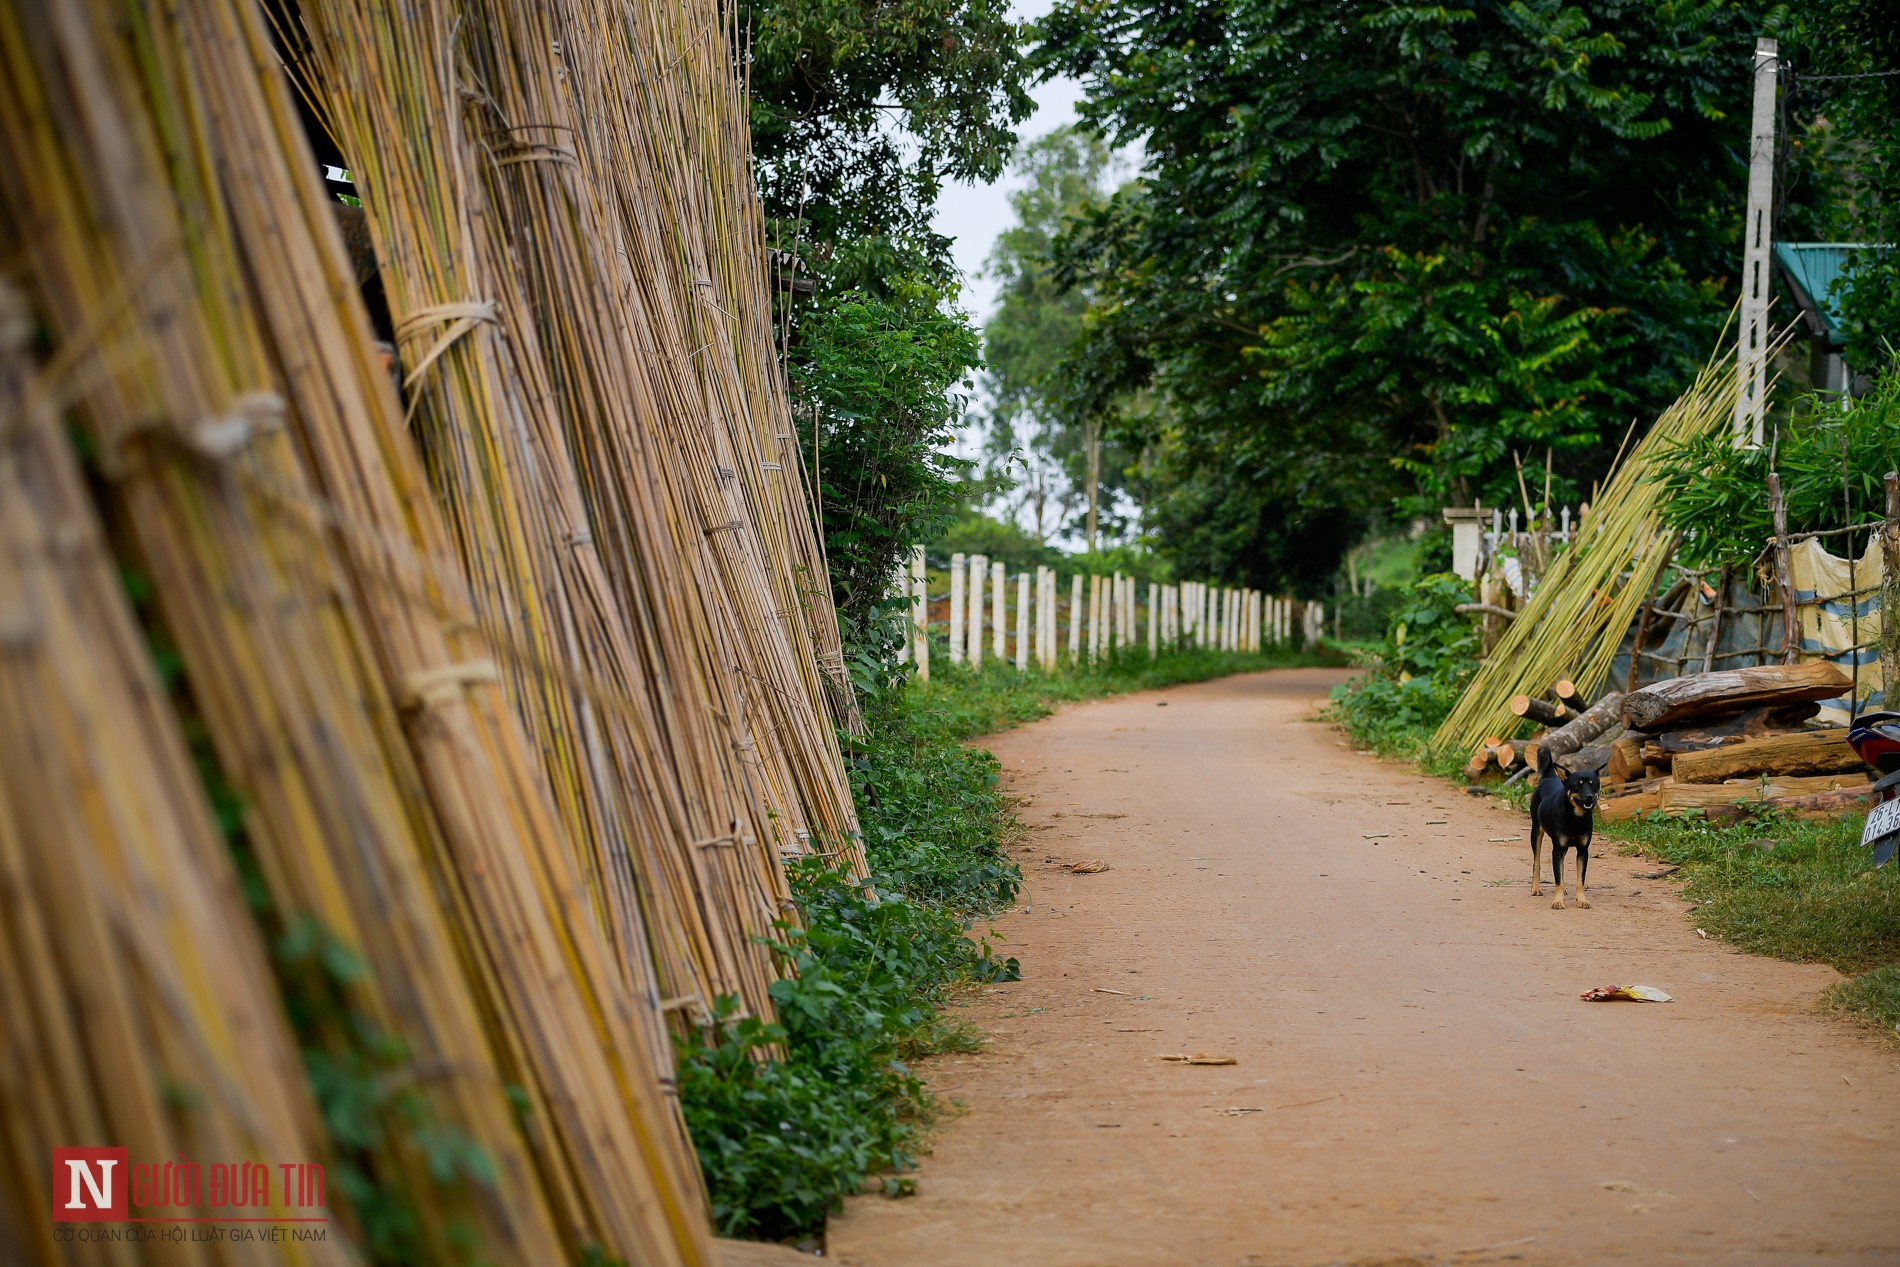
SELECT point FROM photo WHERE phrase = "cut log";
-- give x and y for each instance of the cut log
(1540, 711)
(1825, 804)
(1752, 724)
(1626, 758)
(1594, 756)
(1586, 728)
(1671, 795)
(1564, 691)
(1668, 703)
(1794, 753)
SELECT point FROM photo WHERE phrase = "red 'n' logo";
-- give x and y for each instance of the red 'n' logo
(90, 1184)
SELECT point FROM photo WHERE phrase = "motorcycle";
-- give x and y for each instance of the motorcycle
(1876, 738)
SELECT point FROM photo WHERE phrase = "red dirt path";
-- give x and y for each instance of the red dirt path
(1417, 1080)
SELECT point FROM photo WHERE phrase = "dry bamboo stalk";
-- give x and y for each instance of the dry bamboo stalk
(1592, 592)
(115, 888)
(257, 602)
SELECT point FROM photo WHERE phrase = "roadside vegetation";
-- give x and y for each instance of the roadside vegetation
(791, 1117)
(1775, 885)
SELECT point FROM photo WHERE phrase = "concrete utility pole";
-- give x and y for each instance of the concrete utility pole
(1758, 242)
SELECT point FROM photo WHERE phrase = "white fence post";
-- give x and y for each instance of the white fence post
(956, 607)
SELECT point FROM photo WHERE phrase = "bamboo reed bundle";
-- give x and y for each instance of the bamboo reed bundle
(171, 386)
(502, 468)
(131, 977)
(694, 252)
(1572, 625)
(275, 641)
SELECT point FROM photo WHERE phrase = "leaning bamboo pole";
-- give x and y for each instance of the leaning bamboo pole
(1573, 624)
(263, 553)
(174, 395)
(133, 976)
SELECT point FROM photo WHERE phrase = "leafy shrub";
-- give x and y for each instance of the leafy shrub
(1717, 495)
(879, 378)
(1411, 682)
(789, 1118)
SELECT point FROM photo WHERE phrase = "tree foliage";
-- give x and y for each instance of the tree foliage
(860, 109)
(1379, 248)
(1845, 96)
(1052, 448)
(877, 379)
(1831, 454)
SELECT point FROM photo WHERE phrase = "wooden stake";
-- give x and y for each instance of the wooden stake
(1022, 622)
(956, 607)
(979, 571)
(1000, 616)
(1890, 591)
(1790, 620)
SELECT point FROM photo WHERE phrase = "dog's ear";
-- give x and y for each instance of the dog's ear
(1545, 762)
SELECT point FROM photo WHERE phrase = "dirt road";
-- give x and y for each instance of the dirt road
(1417, 1080)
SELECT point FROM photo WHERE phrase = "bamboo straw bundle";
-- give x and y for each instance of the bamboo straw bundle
(172, 400)
(1572, 625)
(133, 977)
(275, 641)
(501, 466)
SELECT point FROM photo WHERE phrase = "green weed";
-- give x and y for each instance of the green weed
(1796, 890)
(1872, 997)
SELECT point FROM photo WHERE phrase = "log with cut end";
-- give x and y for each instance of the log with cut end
(1797, 752)
(1499, 756)
(1565, 692)
(1626, 758)
(1540, 711)
(1661, 705)
(1668, 794)
(1586, 728)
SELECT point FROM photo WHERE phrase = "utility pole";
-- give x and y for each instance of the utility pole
(1757, 243)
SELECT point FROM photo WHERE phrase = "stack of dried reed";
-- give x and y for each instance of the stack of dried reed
(182, 259)
(132, 980)
(524, 167)
(1573, 624)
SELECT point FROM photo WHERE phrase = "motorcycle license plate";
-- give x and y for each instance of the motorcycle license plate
(1882, 820)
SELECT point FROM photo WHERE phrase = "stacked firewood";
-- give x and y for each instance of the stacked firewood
(1731, 742)
(1724, 744)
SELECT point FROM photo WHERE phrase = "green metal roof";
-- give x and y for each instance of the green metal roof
(1811, 270)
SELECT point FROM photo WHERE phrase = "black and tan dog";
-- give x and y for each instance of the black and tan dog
(1563, 807)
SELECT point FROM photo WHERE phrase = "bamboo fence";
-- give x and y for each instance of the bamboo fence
(1174, 616)
(525, 673)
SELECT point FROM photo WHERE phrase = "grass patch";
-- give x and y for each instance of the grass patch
(1810, 898)
(1872, 998)
(791, 1117)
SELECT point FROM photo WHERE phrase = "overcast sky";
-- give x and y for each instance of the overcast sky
(973, 215)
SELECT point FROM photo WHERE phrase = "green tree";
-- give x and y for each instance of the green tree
(1379, 249)
(877, 378)
(860, 109)
(1038, 318)
(1843, 95)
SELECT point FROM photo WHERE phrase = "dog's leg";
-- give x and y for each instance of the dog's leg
(1537, 860)
(1583, 874)
(1557, 851)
